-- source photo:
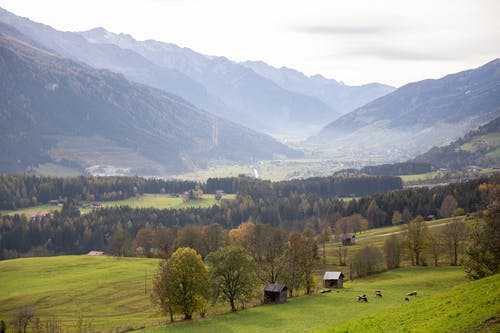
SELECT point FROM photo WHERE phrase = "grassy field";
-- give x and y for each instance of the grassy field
(105, 291)
(30, 210)
(109, 293)
(469, 307)
(340, 309)
(490, 140)
(275, 170)
(376, 237)
(419, 177)
(160, 201)
(51, 169)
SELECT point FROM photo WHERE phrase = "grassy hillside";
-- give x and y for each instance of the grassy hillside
(479, 147)
(160, 201)
(376, 237)
(470, 307)
(107, 292)
(318, 312)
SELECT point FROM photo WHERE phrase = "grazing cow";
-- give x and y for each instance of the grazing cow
(362, 298)
(413, 293)
(407, 299)
(378, 293)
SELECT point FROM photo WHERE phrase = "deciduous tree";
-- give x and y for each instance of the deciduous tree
(22, 318)
(367, 261)
(392, 251)
(416, 238)
(448, 206)
(375, 215)
(454, 235)
(397, 218)
(483, 252)
(232, 275)
(182, 283)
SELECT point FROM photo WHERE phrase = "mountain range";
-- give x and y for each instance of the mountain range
(53, 109)
(337, 95)
(216, 84)
(94, 99)
(420, 115)
(251, 99)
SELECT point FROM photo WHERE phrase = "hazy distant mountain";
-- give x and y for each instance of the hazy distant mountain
(479, 147)
(420, 115)
(134, 66)
(53, 109)
(337, 95)
(257, 101)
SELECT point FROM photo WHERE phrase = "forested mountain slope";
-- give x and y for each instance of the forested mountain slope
(479, 147)
(420, 115)
(54, 109)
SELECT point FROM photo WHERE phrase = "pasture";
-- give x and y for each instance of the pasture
(376, 238)
(160, 201)
(109, 294)
(164, 201)
(106, 292)
(441, 291)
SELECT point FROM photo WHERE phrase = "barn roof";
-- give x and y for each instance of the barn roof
(332, 275)
(275, 287)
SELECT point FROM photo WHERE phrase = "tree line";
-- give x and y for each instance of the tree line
(18, 191)
(69, 232)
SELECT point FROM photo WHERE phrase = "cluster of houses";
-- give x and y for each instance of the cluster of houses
(38, 216)
(91, 204)
(277, 293)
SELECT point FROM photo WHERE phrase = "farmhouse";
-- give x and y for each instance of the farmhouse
(333, 279)
(348, 239)
(38, 216)
(95, 205)
(95, 253)
(275, 293)
(58, 202)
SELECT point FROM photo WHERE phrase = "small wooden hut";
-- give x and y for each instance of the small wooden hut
(275, 293)
(348, 239)
(333, 279)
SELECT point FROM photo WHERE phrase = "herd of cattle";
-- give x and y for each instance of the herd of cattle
(378, 293)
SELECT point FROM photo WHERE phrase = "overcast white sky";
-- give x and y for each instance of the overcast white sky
(393, 41)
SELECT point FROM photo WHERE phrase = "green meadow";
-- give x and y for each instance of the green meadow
(160, 201)
(443, 296)
(164, 201)
(109, 294)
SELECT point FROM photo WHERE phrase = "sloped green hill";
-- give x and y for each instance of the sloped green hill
(469, 307)
(109, 294)
(105, 292)
(479, 147)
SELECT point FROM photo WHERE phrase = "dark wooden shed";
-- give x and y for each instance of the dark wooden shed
(348, 239)
(275, 293)
(333, 279)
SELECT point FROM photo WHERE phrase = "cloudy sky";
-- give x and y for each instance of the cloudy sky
(388, 41)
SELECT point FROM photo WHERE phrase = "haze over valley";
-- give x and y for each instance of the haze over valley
(173, 166)
(330, 124)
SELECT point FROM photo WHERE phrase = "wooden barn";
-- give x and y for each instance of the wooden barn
(348, 239)
(333, 279)
(275, 293)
